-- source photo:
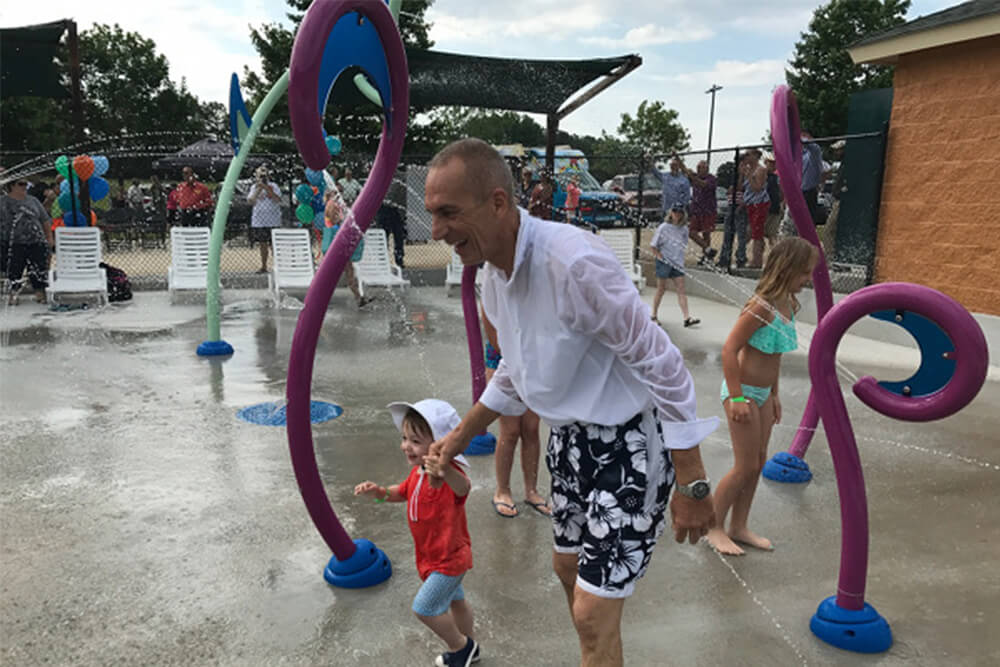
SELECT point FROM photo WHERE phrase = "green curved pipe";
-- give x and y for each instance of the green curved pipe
(212, 310)
(367, 89)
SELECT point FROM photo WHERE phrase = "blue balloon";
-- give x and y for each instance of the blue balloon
(333, 145)
(99, 188)
(315, 177)
(317, 203)
(303, 193)
(65, 201)
(101, 165)
(74, 219)
(64, 186)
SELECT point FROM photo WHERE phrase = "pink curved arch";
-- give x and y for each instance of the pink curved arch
(786, 136)
(306, 124)
(971, 365)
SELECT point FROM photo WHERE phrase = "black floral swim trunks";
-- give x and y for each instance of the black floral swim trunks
(598, 497)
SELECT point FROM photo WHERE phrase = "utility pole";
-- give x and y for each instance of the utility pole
(711, 119)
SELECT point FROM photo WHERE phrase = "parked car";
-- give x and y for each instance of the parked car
(627, 186)
(722, 204)
(598, 207)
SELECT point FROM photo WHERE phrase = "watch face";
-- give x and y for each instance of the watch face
(699, 490)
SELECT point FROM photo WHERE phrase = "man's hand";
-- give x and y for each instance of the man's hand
(691, 518)
(443, 451)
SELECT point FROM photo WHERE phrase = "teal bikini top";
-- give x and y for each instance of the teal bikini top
(775, 337)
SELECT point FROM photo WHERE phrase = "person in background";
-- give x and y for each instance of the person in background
(812, 175)
(26, 233)
(193, 200)
(777, 202)
(704, 209)
(540, 203)
(512, 429)
(669, 243)
(265, 197)
(350, 188)
(134, 198)
(390, 216)
(573, 199)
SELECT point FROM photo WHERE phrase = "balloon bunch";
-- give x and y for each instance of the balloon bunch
(310, 195)
(82, 168)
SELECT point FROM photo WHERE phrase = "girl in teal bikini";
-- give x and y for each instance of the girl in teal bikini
(751, 362)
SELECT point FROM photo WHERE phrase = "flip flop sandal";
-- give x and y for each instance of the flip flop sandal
(497, 505)
(538, 507)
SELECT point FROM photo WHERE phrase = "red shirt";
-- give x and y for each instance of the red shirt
(437, 523)
(193, 196)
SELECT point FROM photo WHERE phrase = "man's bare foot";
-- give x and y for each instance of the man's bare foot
(751, 539)
(721, 543)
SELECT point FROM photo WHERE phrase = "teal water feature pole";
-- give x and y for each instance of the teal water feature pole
(215, 346)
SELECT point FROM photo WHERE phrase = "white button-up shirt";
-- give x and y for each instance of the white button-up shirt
(577, 341)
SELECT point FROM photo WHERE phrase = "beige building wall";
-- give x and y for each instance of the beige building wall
(939, 223)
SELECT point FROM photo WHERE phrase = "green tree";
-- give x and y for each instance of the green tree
(127, 89)
(655, 128)
(358, 131)
(822, 73)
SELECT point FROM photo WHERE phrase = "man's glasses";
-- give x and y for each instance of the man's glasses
(23, 184)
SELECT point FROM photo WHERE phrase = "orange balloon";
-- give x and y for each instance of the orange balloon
(83, 165)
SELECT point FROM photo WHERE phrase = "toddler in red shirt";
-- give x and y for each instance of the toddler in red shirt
(436, 515)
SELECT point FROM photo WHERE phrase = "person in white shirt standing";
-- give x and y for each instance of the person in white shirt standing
(581, 351)
(265, 197)
(669, 243)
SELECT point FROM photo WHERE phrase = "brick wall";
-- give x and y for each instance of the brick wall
(939, 223)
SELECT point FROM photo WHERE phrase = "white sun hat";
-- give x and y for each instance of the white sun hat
(438, 414)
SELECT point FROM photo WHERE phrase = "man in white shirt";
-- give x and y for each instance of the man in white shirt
(350, 188)
(580, 350)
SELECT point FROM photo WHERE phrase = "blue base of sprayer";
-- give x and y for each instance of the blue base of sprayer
(215, 348)
(861, 631)
(482, 445)
(785, 467)
(368, 566)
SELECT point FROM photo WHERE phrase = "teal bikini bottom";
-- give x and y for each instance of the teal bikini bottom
(757, 394)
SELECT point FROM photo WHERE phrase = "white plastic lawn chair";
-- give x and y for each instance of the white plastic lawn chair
(375, 268)
(188, 268)
(453, 273)
(622, 243)
(78, 260)
(293, 262)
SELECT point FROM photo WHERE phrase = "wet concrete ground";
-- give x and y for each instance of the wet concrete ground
(142, 523)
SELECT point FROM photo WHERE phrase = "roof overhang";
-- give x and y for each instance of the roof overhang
(887, 51)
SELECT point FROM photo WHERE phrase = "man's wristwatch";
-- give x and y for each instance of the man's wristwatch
(698, 489)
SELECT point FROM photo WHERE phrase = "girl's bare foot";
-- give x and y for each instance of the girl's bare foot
(751, 539)
(719, 541)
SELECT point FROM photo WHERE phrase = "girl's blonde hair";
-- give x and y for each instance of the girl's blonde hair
(788, 259)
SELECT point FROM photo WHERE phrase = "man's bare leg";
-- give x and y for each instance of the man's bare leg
(598, 624)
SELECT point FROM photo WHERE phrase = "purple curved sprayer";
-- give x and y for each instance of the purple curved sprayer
(786, 137)
(354, 563)
(484, 443)
(846, 620)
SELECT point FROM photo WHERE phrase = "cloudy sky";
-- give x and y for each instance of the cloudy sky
(685, 46)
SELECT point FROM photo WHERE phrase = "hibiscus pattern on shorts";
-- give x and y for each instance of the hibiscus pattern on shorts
(598, 495)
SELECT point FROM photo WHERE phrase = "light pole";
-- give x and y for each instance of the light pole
(711, 119)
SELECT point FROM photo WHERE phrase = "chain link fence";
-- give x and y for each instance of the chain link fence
(617, 192)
